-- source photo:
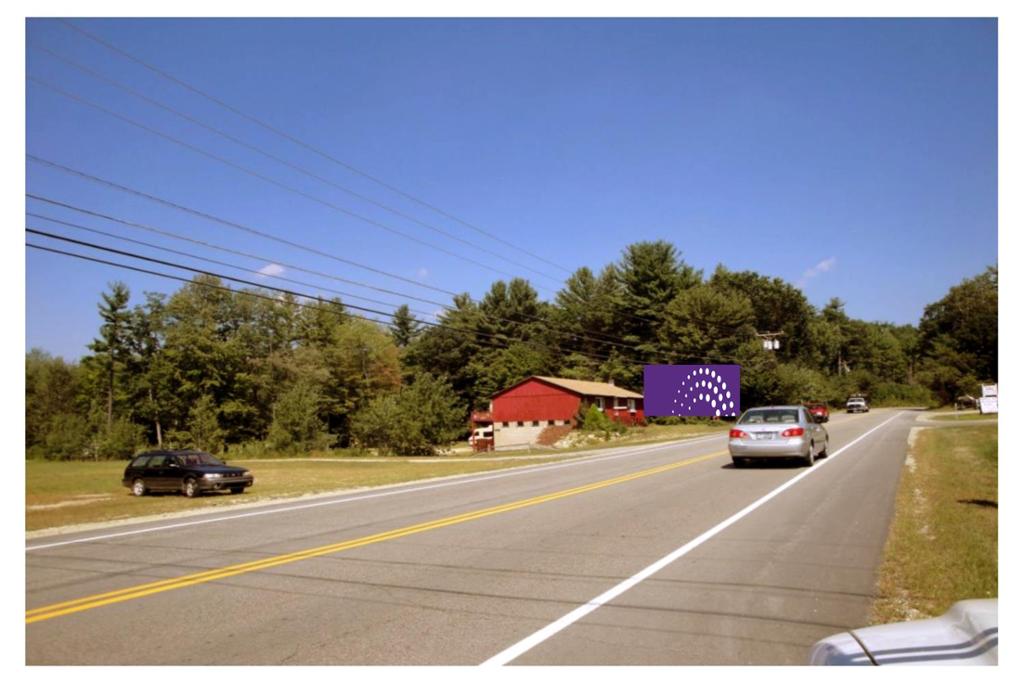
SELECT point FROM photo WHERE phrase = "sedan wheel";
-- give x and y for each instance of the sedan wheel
(138, 487)
(824, 449)
(809, 458)
(190, 488)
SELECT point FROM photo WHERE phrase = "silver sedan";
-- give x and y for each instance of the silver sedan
(777, 432)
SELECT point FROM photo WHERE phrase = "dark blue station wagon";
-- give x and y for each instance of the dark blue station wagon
(190, 472)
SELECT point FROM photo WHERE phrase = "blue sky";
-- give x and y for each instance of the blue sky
(854, 158)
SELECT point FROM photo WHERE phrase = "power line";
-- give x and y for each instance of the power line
(227, 250)
(267, 179)
(592, 336)
(295, 167)
(215, 262)
(223, 221)
(294, 140)
(176, 236)
(503, 343)
(594, 356)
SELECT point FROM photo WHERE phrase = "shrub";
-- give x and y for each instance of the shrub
(421, 417)
(120, 441)
(67, 438)
(297, 425)
(378, 424)
(595, 420)
(203, 432)
(248, 449)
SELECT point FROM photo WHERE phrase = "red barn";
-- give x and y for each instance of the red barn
(523, 411)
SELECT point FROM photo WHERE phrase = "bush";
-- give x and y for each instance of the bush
(204, 432)
(67, 438)
(595, 420)
(379, 424)
(417, 420)
(674, 420)
(297, 425)
(248, 449)
(892, 394)
(118, 442)
(668, 420)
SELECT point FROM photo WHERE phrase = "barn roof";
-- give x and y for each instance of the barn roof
(582, 387)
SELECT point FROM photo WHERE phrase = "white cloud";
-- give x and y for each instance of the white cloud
(271, 270)
(422, 273)
(821, 267)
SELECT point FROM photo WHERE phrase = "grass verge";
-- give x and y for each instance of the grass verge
(62, 493)
(65, 493)
(634, 436)
(965, 417)
(943, 542)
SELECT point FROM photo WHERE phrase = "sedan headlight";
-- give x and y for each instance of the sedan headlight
(212, 476)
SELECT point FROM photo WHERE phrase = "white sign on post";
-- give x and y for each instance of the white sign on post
(989, 401)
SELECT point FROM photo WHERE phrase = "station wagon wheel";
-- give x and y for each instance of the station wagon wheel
(190, 488)
(138, 487)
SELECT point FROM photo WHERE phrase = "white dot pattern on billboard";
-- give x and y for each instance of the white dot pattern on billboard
(705, 386)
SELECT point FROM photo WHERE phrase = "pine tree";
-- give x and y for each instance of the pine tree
(112, 346)
(404, 326)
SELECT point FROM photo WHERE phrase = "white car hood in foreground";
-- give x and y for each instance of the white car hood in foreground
(967, 634)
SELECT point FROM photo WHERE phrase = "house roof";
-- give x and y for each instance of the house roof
(579, 386)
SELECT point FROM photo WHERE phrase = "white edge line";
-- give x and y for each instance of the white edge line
(516, 472)
(530, 642)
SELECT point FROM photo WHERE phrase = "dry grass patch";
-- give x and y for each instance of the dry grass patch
(943, 542)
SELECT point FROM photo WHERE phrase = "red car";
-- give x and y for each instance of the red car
(819, 411)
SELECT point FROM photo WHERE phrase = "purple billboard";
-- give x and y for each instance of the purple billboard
(692, 390)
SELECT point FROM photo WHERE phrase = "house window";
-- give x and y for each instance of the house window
(536, 423)
(599, 402)
(504, 424)
(551, 423)
(632, 405)
(519, 424)
(620, 403)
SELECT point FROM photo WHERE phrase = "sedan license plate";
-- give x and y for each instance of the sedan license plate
(765, 435)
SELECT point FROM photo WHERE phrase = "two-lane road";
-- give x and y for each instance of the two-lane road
(660, 554)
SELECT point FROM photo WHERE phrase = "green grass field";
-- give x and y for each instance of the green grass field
(943, 542)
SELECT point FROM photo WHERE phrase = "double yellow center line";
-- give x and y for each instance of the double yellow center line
(132, 592)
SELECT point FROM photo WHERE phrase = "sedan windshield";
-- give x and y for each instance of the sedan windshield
(192, 459)
(769, 416)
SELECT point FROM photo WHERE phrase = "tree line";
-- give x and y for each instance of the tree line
(255, 371)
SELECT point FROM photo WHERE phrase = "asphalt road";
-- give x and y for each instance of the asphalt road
(660, 554)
